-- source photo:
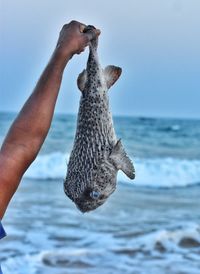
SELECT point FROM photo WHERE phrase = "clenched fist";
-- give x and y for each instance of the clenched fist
(73, 40)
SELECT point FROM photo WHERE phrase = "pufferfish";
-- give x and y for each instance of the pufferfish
(97, 154)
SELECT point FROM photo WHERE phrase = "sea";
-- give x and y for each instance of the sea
(150, 225)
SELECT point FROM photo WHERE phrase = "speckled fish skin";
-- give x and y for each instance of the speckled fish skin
(97, 155)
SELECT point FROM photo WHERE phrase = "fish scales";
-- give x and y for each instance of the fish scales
(97, 155)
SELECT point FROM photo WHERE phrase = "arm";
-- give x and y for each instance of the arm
(31, 126)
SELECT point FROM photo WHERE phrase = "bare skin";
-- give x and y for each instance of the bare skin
(30, 128)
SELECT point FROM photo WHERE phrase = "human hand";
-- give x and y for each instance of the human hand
(73, 40)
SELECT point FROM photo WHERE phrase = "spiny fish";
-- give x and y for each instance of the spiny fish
(97, 155)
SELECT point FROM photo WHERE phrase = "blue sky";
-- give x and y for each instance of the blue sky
(157, 44)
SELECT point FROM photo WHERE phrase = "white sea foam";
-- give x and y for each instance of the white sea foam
(176, 249)
(49, 166)
(175, 127)
(175, 239)
(165, 172)
(158, 172)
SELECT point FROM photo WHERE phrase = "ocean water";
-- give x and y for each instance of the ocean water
(148, 226)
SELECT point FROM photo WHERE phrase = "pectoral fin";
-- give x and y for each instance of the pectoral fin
(111, 74)
(121, 160)
(81, 81)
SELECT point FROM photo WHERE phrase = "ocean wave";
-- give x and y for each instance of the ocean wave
(48, 166)
(174, 127)
(158, 172)
(175, 249)
(177, 239)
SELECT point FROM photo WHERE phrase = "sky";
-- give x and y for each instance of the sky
(155, 42)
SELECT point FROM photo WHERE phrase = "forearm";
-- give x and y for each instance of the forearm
(29, 129)
(32, 124)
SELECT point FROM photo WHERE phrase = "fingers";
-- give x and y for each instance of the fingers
(76, 36)
(89, 31)
(81, 50)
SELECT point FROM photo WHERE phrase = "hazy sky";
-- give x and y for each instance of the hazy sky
(156, 42)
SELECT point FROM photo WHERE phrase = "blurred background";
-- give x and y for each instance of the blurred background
(150, 225)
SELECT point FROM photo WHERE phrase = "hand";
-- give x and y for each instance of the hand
(73, 40)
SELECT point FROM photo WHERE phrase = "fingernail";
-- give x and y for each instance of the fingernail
(82, 27)
(98, 32)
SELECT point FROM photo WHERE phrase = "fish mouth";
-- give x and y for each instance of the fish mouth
(88, 206)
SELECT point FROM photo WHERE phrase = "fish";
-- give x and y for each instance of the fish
(97, 154)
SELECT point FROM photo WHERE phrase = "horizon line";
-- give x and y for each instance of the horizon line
(139, 116)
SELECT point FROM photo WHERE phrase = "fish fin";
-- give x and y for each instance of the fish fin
(112, 73)
(121, 160)
(81, 80)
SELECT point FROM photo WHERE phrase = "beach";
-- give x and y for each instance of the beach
(149, 225)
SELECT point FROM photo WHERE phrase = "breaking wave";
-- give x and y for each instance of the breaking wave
(158, 172)
(164, 247)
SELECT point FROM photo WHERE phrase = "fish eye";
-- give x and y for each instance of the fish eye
(94, 194)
